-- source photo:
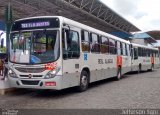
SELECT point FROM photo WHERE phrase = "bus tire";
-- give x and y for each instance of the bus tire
(84, 81)
(139, 68)
(119, 75)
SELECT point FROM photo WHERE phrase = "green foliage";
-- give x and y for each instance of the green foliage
(26, 34)
(42, 40)
(3, 50)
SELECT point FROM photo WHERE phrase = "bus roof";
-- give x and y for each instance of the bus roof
(143, 46)
(79, 25)
(85, 27)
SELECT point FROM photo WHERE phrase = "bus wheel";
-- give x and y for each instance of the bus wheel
(119, 75)
(139, 68)
(84, 81)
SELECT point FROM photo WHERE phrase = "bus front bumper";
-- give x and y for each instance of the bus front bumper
(53, 83)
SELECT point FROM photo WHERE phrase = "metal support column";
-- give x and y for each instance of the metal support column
(8, 21)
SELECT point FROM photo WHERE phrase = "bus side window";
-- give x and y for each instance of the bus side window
(95, 45)
(144, 52)
(135, 53)
(149, 52)
(112, 46)
(124, 50)
(140, 51)
(85, 41)
(104, 45)
(128, 50)
(131, 51)
(118, 48)
(121, 47)
(115, 49)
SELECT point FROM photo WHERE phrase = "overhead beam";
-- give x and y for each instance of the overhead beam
(93, 12)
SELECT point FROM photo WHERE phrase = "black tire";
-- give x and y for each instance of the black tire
(84, 82)
(119, 75)
(139, 69)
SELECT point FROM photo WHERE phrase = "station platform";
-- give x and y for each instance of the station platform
(4, 86)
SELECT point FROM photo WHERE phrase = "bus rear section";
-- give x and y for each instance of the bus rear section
(144, 58)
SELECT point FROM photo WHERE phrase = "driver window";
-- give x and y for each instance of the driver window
(70, 44)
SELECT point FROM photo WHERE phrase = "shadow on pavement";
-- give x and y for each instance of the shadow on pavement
(39, 93)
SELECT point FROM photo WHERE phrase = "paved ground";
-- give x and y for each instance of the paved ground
(133, 91)
(4, 83)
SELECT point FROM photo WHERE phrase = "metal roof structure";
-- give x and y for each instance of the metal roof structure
(155, 34)
(90, 12)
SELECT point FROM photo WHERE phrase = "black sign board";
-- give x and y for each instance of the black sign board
(35, 23)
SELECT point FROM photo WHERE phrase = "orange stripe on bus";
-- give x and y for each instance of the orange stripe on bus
(152, 60)
(119, 61)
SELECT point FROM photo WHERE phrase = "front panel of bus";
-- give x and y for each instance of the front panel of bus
(35, 53)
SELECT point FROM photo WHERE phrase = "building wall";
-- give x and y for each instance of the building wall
(139, 41)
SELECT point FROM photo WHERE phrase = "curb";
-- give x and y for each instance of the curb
(6, 91)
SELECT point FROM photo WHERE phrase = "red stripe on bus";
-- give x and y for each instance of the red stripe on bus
(152, 60)
(119, 61)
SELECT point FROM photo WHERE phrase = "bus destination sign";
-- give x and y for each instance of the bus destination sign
(35, 24)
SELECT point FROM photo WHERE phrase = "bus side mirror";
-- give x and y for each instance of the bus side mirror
(66, 26)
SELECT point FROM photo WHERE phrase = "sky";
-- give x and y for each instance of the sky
(144, 14)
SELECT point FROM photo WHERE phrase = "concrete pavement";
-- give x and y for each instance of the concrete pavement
(132, 91)
(4, 86)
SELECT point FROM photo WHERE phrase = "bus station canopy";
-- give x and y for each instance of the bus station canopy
(144, 36)
(90, 12)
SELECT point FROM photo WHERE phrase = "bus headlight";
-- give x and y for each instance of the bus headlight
(52, 73)
(12, 73)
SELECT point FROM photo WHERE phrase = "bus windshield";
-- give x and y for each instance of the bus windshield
(34, 47)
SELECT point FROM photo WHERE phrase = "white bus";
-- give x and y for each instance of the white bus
(53, 52)
(144, 57)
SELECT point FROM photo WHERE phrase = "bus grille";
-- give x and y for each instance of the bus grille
(30, 70)
(34, 76)
(27, 82)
